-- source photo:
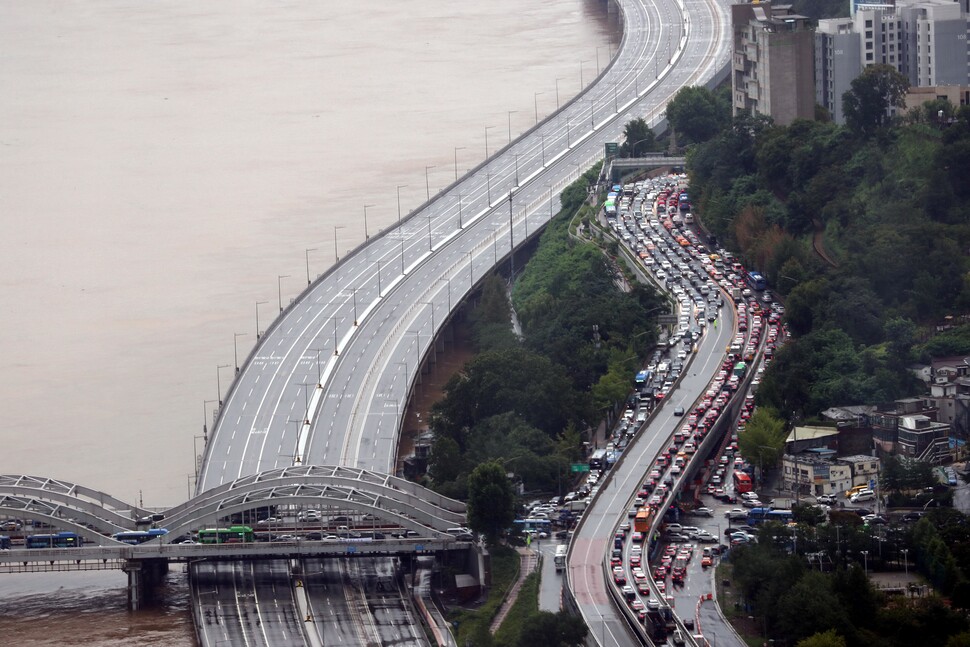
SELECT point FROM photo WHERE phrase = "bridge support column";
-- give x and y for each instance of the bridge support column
(144, 576)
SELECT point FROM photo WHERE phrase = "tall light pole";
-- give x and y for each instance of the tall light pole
(205, 418)
(417, 352)
(488, 184)
(279, 288)
(865, 561)
(557, 93)
(486, 140)
(449, 290)
(379, 279)
(542, 136)
(336, 351)
(399, 187)
(427, 182)
(355, 305)
(235, 356)
(471, 271)
(457, 148)
(460, 225)
(511, 241)
(567, 134)
(511, 112)
(219, 380)
(616, 105)
(905, 552)
(582, 82)
(319, 368)
(430, 244)
(535, 104)
(306, 253)
(335, 228)
(366, 233)
(516, 156)
(258, 303)
(592, 123)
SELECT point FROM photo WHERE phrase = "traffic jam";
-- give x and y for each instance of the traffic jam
(653, 220)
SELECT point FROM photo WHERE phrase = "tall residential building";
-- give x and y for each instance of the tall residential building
(772, 72)
(925, 40)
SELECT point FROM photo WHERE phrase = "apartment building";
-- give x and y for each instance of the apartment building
(772, 63)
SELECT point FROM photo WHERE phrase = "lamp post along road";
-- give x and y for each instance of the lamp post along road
(336, 257)
(219, 381)
(511, 112)
(205, 418)
(535, 104)
(258, 303)
(457, 148)
(399, 187)
(366, 233)
(427, 182)
(486, 140)
(306, 254)
(279, 288)
(235, 355)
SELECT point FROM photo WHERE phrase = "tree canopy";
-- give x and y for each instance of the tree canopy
(871, 96)
(491, 501)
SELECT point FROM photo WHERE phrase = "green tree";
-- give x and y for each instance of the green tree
(808, 606)
(696, 115)
(828, 638)
(491, 501)
(638, 139)
(763, 439)
(553, 629)
(873, 93)
(445, 463)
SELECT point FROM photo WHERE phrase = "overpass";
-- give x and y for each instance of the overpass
(620, 165)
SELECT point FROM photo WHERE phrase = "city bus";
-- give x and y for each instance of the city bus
(597, 461)
(641, 522)
(230, 535)
(756, 281)
(533, 525)
(56, 540)
(560, 558)
(139, 536)
(759, 515)
(742, 482)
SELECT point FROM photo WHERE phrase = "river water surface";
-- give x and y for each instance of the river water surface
(162, 164)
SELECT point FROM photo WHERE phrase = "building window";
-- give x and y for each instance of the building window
(868, 23)
(869, 45)
(868, 56)
(869, 34)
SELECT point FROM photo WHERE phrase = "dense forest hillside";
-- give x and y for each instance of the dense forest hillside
(864, 229)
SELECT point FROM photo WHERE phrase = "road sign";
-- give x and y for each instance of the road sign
(667, 320)
(579, 467)
(351, 549)
(419, 547)
(611, 149)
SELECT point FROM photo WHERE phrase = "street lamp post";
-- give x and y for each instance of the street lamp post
(427, 182)
(486, 140)
(511, 240)
(460, 224)
(336, 351)
(535, 103)
(355, 305)
(306, 253)
(865, 561)
(399, 187)
(457, 148)
(905, 552)
(258, 303)
(488, 184)
(235, 355)
(279, 288)
(557, 93)
(511, 112)
(471, 270)
(449, 290)
(205, 418)
(582, 82)
(516, 156)
(335, 256)
(219, 380)
(366, 233)
(430, 243)
(567, 134)
(592, 123)
(379, 279)
(542, 137)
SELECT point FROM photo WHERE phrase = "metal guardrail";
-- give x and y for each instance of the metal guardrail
(250, 550)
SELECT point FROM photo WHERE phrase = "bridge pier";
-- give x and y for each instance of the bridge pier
(144, 576)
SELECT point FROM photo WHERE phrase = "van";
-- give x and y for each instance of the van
(863, 495)
(855, 490)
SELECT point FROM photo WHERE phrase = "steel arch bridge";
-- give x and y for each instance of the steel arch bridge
(96, 516)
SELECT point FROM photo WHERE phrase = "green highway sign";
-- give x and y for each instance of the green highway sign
(611, 149)
(579, 467)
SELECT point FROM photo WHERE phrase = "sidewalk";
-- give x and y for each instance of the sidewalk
(527, 563)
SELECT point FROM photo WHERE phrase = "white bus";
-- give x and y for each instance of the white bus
(560, 559)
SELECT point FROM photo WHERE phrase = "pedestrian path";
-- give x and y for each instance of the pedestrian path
(528, 559)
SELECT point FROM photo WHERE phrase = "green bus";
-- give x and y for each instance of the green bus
(230, 535)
